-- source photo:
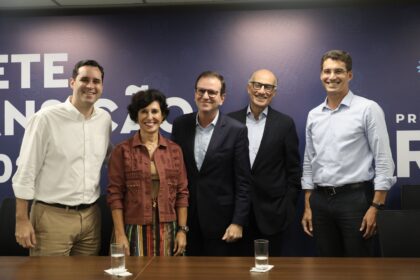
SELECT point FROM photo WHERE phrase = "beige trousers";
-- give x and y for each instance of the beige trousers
(62, 232)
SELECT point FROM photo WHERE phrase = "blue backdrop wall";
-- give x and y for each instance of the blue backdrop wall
(167, 48)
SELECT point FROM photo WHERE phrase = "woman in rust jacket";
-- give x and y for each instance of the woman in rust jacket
(147, 189)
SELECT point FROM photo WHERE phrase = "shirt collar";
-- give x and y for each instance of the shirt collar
(345, 102)
(162, 141)
(74, 113)
(263, 113)
(213, 122)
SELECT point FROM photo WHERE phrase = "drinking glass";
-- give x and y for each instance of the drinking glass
(261, 253)
(117, 258)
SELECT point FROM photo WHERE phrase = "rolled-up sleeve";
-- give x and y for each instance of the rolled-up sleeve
(378, 139)
(32, 154)
(307, 176)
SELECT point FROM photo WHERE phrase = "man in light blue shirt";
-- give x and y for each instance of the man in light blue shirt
(348, 166)
(202, 139)
(215, 149)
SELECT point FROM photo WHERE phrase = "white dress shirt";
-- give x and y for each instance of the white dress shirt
(62, 154)
(347, 145)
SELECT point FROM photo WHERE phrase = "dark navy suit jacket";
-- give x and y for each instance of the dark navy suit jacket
(219, 191)
(276, 173)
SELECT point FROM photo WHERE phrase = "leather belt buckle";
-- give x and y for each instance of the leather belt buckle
(67, 207)
(80, 207)
(331, 191)
(328, 190)
(334, 190)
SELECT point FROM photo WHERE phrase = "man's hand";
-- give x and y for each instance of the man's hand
(307, 222)
(307, 215)
(232, 233)
(369, 223)
(24, 233)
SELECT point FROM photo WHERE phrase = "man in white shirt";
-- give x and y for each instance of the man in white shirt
(348, 166)
(59, 165)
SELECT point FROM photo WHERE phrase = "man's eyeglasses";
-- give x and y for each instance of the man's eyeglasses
(267, 88)
(211, 93)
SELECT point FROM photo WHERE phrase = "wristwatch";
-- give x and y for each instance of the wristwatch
(379, 206)
(185, 229)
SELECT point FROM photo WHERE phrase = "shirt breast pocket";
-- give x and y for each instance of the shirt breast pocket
(99, 146)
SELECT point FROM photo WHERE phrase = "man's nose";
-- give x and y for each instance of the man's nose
(206, 95)
(90, 84)
(332, 75)
(262, 89)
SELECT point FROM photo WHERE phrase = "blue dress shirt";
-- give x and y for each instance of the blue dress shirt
(202, 140)
(347, 145)
(255, 132)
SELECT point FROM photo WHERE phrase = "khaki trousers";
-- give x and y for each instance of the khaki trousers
(65, 232)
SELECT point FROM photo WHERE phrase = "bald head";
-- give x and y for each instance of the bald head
(261, 90)
(264, 74)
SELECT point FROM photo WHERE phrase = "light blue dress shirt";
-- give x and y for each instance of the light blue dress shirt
(255, 132)
(202, 140)
(347, 145)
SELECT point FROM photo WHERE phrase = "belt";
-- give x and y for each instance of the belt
(67, 207)
(331, 191)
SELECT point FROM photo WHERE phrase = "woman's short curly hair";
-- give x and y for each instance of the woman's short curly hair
(144, 98)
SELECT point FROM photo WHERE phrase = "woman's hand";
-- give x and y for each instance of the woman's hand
(122, 239)
(180, 243)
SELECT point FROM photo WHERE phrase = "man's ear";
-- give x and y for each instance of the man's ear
(222, 97)
(71, 82)
(350, 75)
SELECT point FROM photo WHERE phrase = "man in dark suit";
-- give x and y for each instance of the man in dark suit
(215, 151)
(275, 164)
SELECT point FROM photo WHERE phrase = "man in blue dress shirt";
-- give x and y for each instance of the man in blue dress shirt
(348, 166)
(215, 149)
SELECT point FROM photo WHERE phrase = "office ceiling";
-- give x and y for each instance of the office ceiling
(77, 4)
(42, 4)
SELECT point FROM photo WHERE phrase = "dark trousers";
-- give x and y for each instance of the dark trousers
(252, 232)
(199, 245)
(337, 219)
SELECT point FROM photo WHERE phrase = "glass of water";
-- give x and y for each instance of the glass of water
(117, 258)
(261, 253)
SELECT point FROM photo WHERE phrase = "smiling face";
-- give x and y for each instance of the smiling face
(87, 87)
(150, 118)
(261, 89)
(335, 77)
(208, 96)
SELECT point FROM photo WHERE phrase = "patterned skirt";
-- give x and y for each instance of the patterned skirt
(157, 239)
